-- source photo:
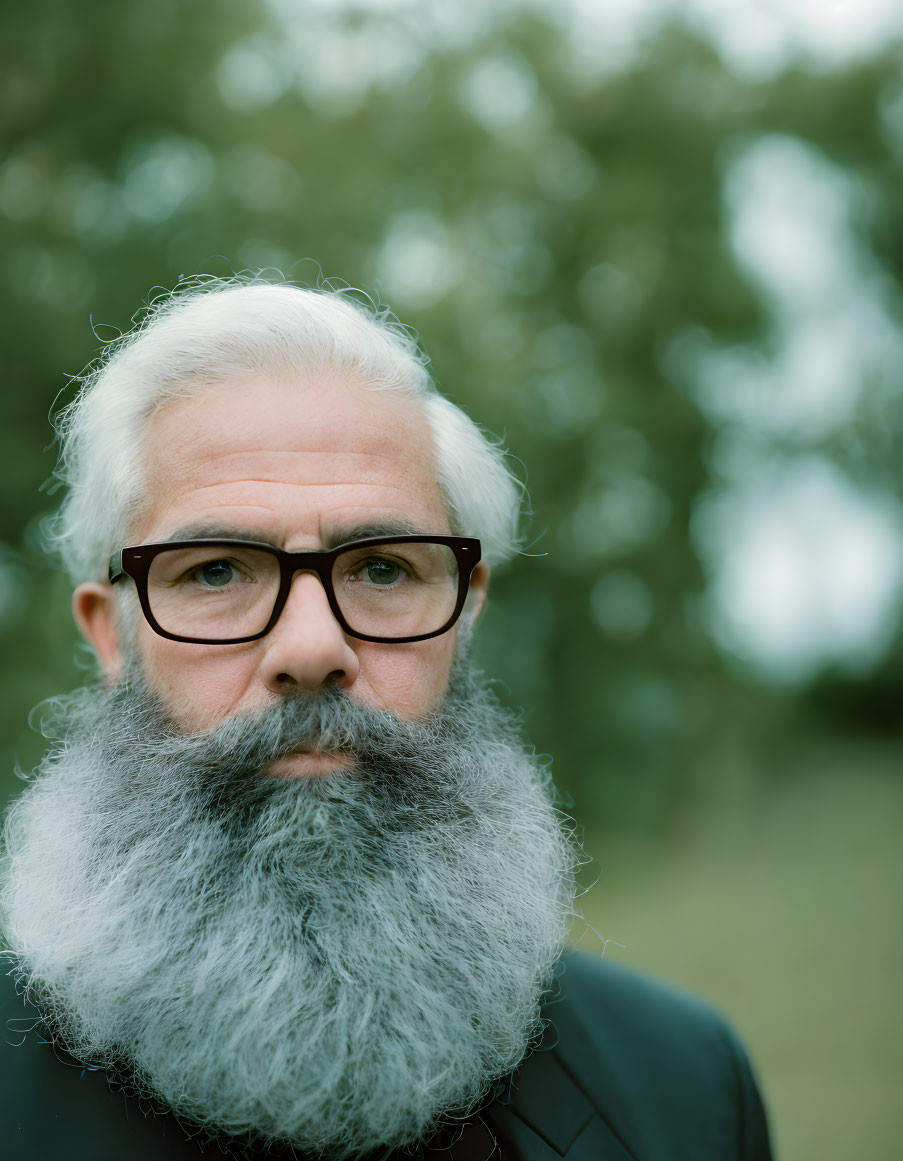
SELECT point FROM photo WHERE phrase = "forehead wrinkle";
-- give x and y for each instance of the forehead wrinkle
(297, 451)
(275, 453)
(302, 484)
(194, 449)
(257, 459)
(306, 464)
(390, 501)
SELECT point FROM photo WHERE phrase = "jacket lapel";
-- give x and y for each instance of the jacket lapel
(548, 1116)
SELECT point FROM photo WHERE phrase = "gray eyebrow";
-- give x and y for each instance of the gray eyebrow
(339, 534)
(345, 534)
(217, 530)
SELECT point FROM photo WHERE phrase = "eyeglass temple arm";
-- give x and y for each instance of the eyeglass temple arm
(116, 571)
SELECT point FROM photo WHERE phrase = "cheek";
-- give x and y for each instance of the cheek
(200, 686)
(410, 680)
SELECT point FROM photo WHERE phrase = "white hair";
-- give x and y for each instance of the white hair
(215, 330)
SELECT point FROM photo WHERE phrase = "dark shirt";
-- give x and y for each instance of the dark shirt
(627, 1070)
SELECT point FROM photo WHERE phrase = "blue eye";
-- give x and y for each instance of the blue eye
(217, 573)
(382, 572)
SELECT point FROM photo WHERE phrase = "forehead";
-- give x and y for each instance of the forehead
(290, 459)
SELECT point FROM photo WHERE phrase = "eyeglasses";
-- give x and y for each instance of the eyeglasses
(225, 592)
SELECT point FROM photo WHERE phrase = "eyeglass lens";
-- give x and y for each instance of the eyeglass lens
(222, 591)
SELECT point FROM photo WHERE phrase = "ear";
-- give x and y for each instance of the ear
(95, 611)
(478, 591)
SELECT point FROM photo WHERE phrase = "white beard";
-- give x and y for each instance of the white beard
(337, 963)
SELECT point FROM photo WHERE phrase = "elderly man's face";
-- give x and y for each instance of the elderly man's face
(311, 930)
(295, 463)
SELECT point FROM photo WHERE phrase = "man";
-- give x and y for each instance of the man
(289, 884)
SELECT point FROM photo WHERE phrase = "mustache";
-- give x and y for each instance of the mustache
(223, 768)
(327, 720)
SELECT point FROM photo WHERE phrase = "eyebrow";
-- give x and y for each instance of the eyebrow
(345, 534)
(338, 534)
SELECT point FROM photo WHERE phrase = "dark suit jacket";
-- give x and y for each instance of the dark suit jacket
(627, 1070)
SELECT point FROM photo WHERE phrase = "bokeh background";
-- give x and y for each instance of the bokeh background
(659, 249)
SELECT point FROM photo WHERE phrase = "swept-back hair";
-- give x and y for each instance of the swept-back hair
(217, 330)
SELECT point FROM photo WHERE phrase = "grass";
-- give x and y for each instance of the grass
(784, 912)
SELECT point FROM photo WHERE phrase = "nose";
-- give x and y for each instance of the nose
(306, 647)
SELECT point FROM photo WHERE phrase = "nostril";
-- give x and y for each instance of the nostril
(336, 675)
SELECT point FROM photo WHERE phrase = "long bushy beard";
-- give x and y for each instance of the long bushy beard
(333, 962)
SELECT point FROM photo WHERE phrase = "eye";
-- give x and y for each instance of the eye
(382, 572)
(216, 573)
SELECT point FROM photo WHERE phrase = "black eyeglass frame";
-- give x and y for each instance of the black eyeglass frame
(135, 562)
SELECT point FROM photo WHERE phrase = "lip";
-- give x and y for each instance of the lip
(308, 764)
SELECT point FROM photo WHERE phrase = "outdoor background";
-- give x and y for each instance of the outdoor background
(658, 248)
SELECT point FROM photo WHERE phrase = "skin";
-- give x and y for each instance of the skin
(291, 461)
